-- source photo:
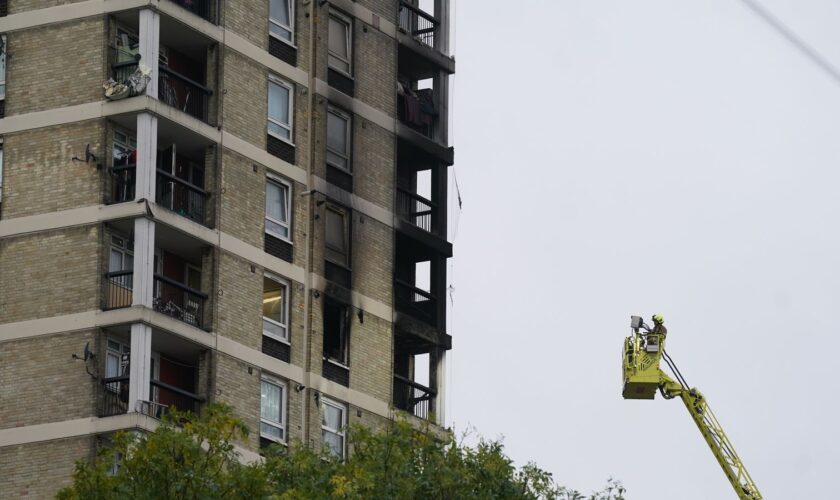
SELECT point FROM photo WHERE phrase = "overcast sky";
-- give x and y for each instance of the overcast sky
(621, 158)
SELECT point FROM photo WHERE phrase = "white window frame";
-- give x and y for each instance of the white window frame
(284, 402)
(348, 138)
(346, 215)
(290, 29)
(276, 80)
(284, 282)
(123, 249)
(348, 40)
(288, 224)
(339, 432)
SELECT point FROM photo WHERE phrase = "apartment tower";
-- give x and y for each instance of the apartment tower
(264, 223)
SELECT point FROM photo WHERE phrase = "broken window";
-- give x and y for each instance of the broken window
(336, 331)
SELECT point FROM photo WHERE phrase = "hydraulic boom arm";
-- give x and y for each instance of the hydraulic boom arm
(714, 435)
(643, 377)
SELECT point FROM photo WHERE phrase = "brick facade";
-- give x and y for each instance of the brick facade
(61, 266)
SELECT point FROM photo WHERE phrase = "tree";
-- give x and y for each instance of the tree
(189, 457)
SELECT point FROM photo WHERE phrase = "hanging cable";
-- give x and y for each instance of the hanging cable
(794, 39)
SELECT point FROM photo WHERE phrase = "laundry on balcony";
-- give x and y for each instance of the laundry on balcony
(135, 84)
(417, 107)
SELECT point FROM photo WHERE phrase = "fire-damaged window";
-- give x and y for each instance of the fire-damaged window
(336, 331)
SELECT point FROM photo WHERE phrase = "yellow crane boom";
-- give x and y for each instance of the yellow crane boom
(643, 351)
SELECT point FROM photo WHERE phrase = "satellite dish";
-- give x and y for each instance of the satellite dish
(88, 354)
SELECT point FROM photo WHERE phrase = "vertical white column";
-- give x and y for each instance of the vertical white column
(150, 47)
(139, 368)
(440, 386)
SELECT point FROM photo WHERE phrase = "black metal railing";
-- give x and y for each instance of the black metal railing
(419, 24)
(113, 396)
(119, 286)
(416, 109)
(178, 300)
(205, 9)
(415, 302)
(125, 180)
(416, 210)
(182, 93)
(165, 396)
(180, 196)
(412, 397)
(122, 71)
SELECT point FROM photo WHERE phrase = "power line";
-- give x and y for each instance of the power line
(789, 35)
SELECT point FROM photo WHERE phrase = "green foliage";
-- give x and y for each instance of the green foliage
(194, 458)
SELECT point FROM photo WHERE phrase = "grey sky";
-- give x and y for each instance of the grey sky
(621, 158)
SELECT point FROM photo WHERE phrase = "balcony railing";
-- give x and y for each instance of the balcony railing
(412, 397)
(415, 302)
(205, 9)
(419, 24)
(178, 300)
(416, 109)
(174, 89)
(416, 210)
(183, 93)
(180, 196)
(119, 286)
(124, 182)
(113, 396)
(172, 192)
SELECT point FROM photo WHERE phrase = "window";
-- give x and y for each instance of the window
(122, 254)
(277, 209)
(337, 244)
(2, 67)
(339, 128)
(333, 422)
(116, 359)
(281, 18)
(280, 108)
(340, 35)
(336, 331)
(272, 410)
(275, 308)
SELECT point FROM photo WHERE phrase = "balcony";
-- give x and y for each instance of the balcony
(418, 23)
(174, 89)
(176, 194)
(114, 398)
(119, 289)
(417, 210)
(178, 300)
(184, 63)
(205, 9)
(415, 302)
(416, 109)
(412, 397)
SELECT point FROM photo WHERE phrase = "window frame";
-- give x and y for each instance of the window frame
(348, 138)
(340, 431)
(4, 54)
(270, 179)
(346, 214)
(286, 302)
(284, 406)
(344, 334)
(290, 29)
(276, 80)
(348, 40)
(125, 247)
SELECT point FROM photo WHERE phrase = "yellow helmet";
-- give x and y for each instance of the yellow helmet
(658, 318)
